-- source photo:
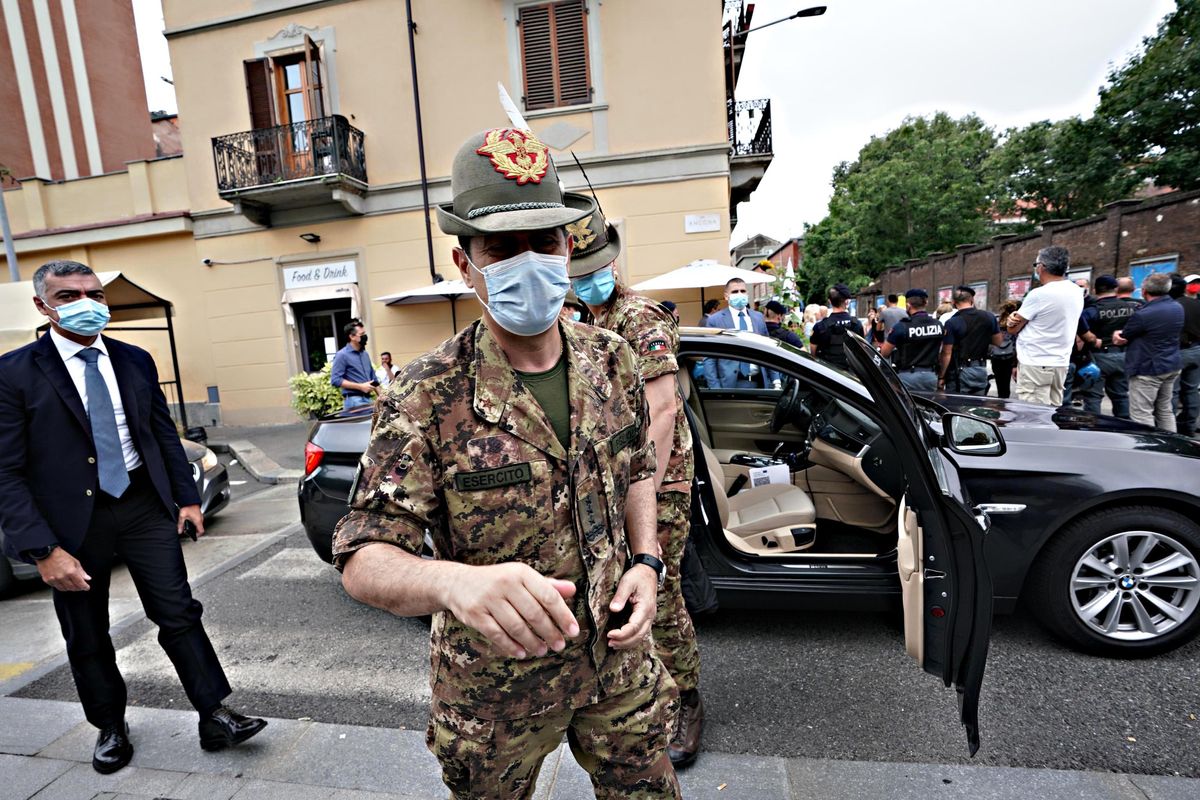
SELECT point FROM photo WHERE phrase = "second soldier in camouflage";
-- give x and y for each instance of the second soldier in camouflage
(653, 335)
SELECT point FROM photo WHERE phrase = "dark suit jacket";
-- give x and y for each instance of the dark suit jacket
(48, 475)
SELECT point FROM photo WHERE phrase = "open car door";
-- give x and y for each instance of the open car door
(945, 583)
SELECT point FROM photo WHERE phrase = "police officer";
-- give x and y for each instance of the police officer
(521, 444)
(1104, 317)
(964, 350)
(829, 335)
(774, 314)
(917, 343)
(651, 331)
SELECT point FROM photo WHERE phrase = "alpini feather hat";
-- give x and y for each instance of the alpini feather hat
(595, 244)
(505, 180)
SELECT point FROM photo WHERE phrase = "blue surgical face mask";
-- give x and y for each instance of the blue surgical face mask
(739, 301)
(85, 316)
(525, 292)
(575, 315)
(597, 288)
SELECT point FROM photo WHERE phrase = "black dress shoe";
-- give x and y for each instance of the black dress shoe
(113, 749)
(225, 728)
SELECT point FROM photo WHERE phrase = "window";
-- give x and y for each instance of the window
(554, 54)
(286, 89)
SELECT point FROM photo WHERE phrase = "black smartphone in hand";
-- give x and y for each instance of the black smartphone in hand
(189, 529)
(618, 619)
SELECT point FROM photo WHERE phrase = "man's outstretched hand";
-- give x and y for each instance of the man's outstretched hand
(519, 610)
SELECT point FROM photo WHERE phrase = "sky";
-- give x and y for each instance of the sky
(836, 80)
(156, 62)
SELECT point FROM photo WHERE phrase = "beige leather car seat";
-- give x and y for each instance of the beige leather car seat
(764, 520)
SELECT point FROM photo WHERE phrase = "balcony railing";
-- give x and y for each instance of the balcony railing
(310, 149)
(749, 127)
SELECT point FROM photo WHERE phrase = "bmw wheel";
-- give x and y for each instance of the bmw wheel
(1122, 583)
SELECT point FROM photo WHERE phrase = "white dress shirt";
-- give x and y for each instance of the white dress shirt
(737, 325)
(76, 368)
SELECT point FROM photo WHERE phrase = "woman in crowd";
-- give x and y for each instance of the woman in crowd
(1004, 355)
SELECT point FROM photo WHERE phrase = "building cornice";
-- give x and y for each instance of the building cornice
(275, 8)
(140, 227)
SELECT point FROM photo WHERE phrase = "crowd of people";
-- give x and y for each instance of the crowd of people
(1065, 343)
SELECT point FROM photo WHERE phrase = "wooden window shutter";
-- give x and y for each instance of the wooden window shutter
(315, 79)
(570, 34)
(259, 92)
(554, 54)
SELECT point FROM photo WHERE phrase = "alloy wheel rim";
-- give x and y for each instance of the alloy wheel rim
(1135, 586)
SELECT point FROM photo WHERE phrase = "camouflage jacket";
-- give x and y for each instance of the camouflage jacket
(654, 337)
(460, 447)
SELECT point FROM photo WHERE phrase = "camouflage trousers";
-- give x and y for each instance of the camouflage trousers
(621, 741)
(674, 635)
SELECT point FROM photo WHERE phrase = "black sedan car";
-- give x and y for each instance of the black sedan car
(212, 482)
(804, 488)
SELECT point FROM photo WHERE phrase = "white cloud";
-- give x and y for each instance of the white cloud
(836, 80)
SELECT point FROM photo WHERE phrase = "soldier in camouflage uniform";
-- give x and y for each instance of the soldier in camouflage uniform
(521, 445)
(652, 333)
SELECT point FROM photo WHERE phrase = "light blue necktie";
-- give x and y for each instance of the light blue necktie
(114, 479)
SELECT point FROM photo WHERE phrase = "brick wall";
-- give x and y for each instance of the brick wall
(1128, 233)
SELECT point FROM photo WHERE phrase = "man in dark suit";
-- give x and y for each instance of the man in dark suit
(91, 466)
(723, 373)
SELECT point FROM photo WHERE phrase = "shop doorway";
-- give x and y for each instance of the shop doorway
(320, 325)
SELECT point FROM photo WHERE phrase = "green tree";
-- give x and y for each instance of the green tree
(920, 188)
(1152, 103)
(1058, 170)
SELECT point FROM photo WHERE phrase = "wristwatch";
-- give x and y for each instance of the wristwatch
(653, 563)
(41, 553)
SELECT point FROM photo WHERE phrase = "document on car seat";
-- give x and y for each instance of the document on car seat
(776, 473)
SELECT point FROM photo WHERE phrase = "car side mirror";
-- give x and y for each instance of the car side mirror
(972, 436)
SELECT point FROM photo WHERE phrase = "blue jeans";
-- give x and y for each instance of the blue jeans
(1187, 391)
(1114, 383)
(921, 380)
(971, 380)
(1069, 384)
(354, 401)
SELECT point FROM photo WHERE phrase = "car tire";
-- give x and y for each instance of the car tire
(1122, 583)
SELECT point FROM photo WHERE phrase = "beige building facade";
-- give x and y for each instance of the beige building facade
(298, 197)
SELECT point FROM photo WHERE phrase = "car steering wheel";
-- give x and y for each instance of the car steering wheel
(787, 407)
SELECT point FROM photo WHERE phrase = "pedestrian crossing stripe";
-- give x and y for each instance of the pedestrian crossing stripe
(12, 670)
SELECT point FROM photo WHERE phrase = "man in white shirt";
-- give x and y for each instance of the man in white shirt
(1047, 323)
(386, 373)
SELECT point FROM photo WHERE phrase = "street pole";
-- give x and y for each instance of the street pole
(10, 253)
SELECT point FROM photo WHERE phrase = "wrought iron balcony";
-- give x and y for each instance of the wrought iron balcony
(292, 166)
(749, 127)
(750, 148)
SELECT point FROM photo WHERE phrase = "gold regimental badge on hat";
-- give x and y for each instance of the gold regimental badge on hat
(517, 155)
(581, 232)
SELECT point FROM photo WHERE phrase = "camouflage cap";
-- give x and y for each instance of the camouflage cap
(596, 245)
(505, 180)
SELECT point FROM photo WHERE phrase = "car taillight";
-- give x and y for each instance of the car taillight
(312, 457)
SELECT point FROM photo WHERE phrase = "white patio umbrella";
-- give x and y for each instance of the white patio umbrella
(700, 275)
(443, 290)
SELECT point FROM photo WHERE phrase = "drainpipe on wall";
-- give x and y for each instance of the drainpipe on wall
(10, 253)
(412, 53)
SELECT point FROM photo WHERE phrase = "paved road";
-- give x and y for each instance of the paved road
(812, 685)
